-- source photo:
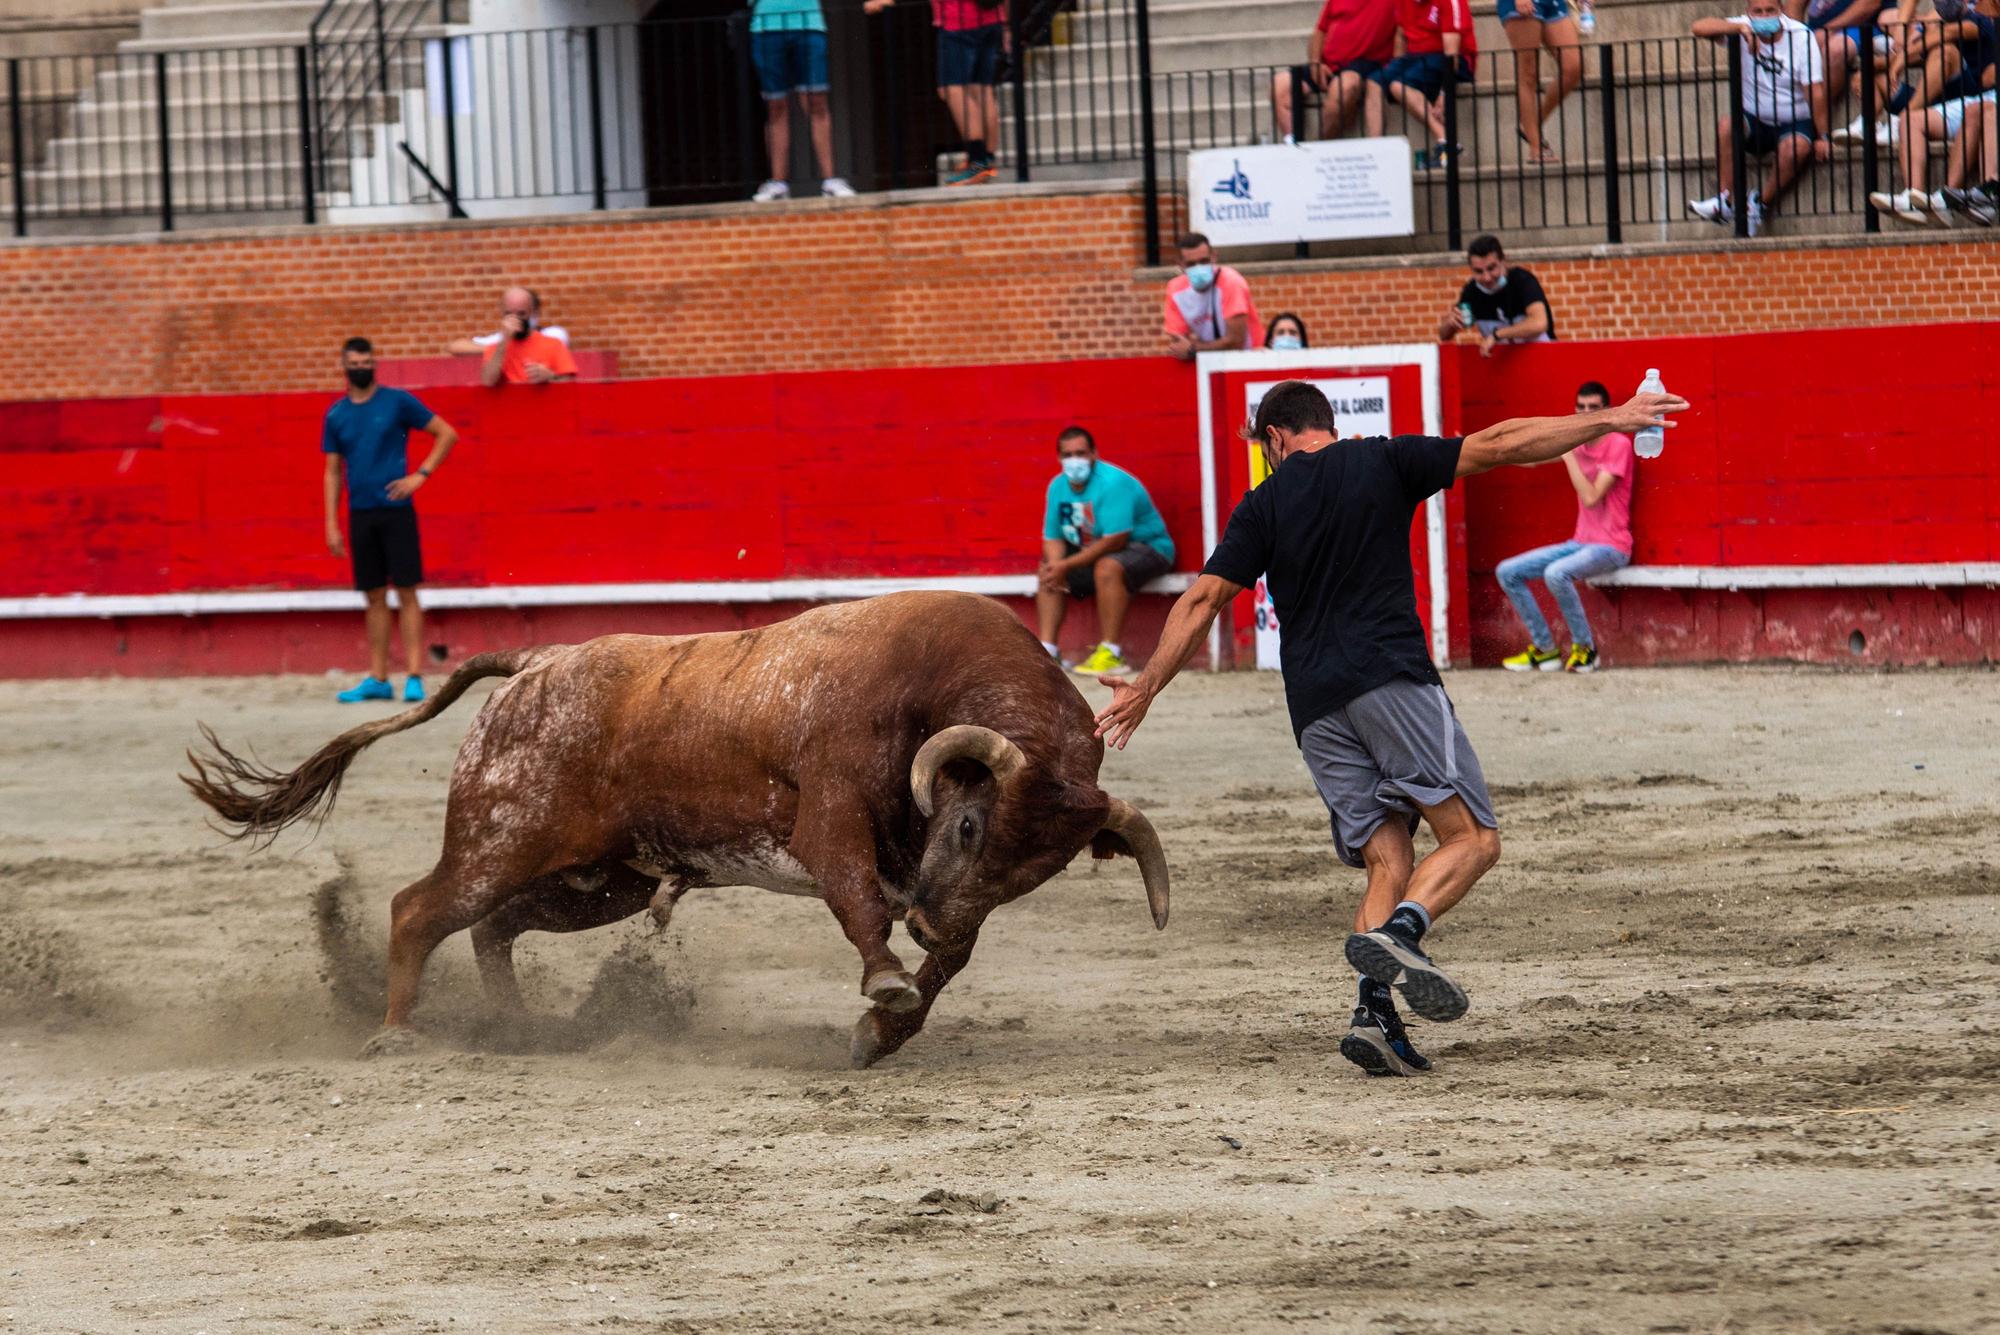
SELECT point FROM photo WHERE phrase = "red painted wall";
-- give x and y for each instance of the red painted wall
(1831, 447)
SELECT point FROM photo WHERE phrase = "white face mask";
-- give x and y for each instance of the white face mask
(1076, 468)
(1489, 291)
(1287, 342)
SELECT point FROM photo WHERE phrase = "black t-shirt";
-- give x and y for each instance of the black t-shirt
(1330, 532)
(1510, 304)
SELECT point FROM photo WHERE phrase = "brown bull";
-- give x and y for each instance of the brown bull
(917, 756)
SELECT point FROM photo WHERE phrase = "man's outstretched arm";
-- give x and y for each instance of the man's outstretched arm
(1534, 440)
(1187, 626)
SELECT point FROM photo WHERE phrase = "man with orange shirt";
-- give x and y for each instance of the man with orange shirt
(1438, 45)
(524, 355)
(1208, 306)
(1352, 40)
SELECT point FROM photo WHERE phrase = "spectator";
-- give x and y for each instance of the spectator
(1100, 534)
(1601, 475)
(1498, 304)
(1966, 127)
(1286, 333)
(1208, 307)
(1531, 24)
(1437, 41)
(367, 437)
(477, 344)
(973, 37)
(788, 46)
(1783, 93)
(1352, 40)
(1840, 26)
(522, 354)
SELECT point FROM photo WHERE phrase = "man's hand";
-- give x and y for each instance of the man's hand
(1486, 342)
(539, 374)
(1181, 346)
(513, 325)
(403, 488)
(875, 6)
(1644, 410)
(1117, 721)
(1822, 150)
(334, 542)
(1050, 574)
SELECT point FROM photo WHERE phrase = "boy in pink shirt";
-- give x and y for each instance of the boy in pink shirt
(1601, 474)
(1208, 306)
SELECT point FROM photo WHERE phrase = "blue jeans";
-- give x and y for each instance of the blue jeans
(1560, 566)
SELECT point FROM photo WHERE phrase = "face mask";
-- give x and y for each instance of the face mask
(1076, 468)
(1767, 27)
(1201, 277)
(361, 377)
(1489, 291)
(527, 328)
(1287, 342)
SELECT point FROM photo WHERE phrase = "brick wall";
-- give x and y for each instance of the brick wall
(1002, 275)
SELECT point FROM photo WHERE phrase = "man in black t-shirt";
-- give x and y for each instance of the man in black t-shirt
(1498, 304)
(1330, 533)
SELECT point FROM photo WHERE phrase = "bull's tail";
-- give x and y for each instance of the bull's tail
(256, 802)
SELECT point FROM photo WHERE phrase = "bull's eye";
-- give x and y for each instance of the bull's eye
(966, 829)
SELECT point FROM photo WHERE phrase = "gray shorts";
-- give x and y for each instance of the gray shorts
(1397, 748)
(1142, 564)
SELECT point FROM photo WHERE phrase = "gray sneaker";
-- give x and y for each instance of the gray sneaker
(1388, 958)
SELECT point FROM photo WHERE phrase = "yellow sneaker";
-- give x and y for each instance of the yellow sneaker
(1532, 659)
(1580, 659)
(1100, 662)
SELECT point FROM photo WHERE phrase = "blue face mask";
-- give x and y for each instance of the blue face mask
(1076, 468)
(1767, 27)
(1201, 277)
(1287, 342)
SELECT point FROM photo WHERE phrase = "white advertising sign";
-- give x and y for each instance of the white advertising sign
(1360, 408)
(1326, 190)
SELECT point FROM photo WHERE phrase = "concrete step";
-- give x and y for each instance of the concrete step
(256, 149)
(247, 22)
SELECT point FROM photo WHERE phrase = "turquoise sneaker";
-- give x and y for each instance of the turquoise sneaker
(413, 690)
(368, 688)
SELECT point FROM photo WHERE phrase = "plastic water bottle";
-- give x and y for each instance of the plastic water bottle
(1586, 18)
(1649, 442)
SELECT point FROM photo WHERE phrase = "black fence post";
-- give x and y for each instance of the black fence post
(450, 77)
(598, 197)
(302, 64)
(17, 146)
(746, 79)
(1300, 73)
(1738, 159)
(1018, 72)
(1871, 166)
(1454, 221)
(161, 127)
(381, 50)
(892, 93)
(1149, 167)
(1614, 229)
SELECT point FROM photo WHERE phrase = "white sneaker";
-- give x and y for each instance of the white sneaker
(1716, 209)
(1903, 204)
(836, 187)
(771, 190)
(1756, 213)
(1934, 205)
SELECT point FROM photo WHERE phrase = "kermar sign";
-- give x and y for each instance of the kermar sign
(1330, 190)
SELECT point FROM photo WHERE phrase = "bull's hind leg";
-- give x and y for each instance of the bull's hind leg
(880, 1031)
(553, 904)
(450, 899)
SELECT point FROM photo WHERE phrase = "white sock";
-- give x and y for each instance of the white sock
(1053, 651)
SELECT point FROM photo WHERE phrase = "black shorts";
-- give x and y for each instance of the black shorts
(383, 543)
(1142, 565)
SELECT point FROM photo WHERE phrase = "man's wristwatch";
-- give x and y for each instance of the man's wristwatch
(423, 472)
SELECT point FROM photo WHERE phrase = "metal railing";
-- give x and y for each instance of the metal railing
(375, 116)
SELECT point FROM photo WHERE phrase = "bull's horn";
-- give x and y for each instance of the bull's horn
(962, 741)
(1128, 822)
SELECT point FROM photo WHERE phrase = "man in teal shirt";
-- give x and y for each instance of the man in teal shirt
(1102, 535)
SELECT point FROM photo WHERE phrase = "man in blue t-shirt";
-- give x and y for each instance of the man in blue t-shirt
(367, 438)
(1101, 534)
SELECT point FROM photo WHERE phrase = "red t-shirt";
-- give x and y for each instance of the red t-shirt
(1610, 520)
(1357, 30)
(1425, 22)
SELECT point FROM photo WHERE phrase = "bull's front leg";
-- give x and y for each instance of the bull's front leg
(834, 842)
(881, 1031)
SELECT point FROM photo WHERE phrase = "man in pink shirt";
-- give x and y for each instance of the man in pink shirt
(1208, 307)
(1601, 474)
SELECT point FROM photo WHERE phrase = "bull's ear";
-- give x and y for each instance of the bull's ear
(1108, 844)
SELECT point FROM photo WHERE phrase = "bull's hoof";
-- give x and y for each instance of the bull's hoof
(398, 1041)
(866, 1047)
(893, 991)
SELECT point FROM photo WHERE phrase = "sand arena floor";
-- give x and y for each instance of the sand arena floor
(1730, 1064)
